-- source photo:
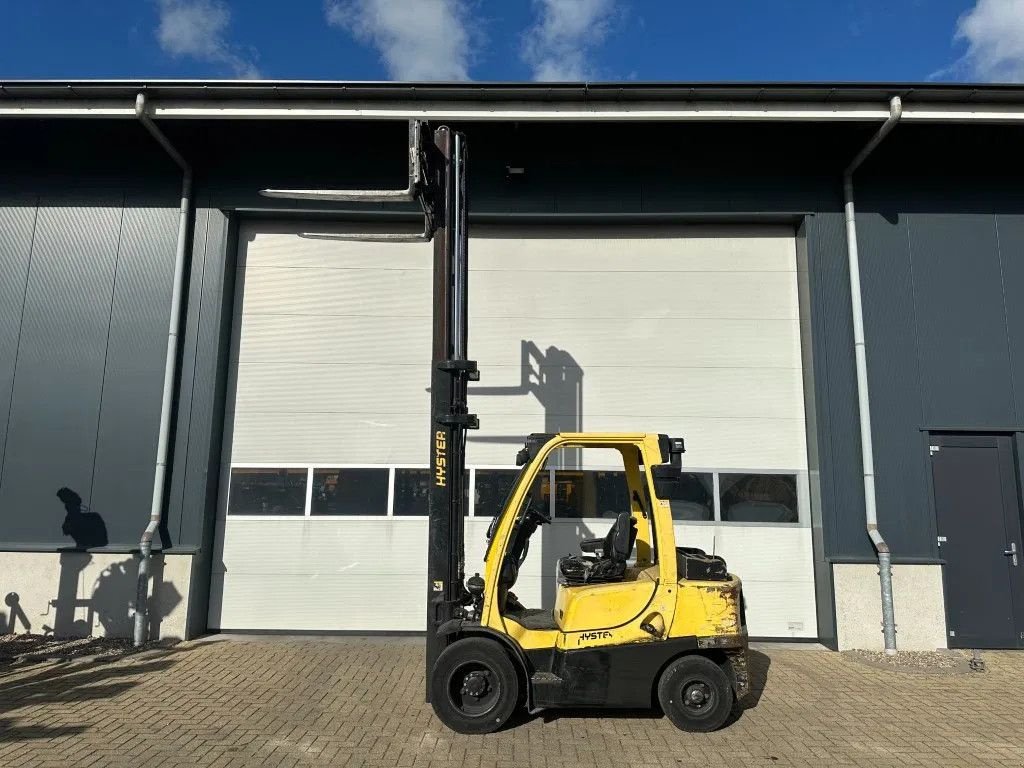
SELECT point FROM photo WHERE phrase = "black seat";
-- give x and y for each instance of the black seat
(610, 555)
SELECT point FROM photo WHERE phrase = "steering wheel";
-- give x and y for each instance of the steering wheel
(535, 513)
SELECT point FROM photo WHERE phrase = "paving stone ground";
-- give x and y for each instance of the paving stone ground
(359, 702)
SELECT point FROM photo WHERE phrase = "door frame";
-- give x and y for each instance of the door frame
(1005, 443)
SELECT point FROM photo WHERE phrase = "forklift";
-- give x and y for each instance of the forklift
(637, 621)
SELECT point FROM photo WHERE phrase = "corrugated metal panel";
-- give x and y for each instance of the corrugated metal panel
(206, 380)
(187, 390)
(627, 330)
(842, 489)
(133, 380)
(701, 342)
(340, 343)
(17, 223)
(1011, 257)
(961, 325)
(55, 405)
(287, 560)
(333, 387)
(888, 272)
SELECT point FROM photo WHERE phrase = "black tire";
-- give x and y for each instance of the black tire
(474, 686)
(695, 694)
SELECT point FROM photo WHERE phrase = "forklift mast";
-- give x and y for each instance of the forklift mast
(437, 181)
(450, 374)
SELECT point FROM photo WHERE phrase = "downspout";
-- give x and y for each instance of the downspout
(170, 373)
(863, 399)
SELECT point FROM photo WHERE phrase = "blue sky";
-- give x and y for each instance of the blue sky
(767, 40)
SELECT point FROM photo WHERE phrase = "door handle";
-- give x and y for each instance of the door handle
(1012, 552)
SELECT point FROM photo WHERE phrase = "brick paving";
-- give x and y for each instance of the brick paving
(358, 702)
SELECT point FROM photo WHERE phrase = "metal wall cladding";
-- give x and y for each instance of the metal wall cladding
(687, 330)
(1010, 229)
(960, 321)
(83, 332)
(692, 330)
(942, 250)
(940, 272)
(835, 379)
(896, 384)
(17, 222)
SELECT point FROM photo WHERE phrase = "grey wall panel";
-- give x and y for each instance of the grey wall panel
(133, 382)
(192, 497)
(51, 437)
(189, 334)
(842, 489)
(822, 570)
(204, 360)
(17, 223)
(1011, 257)
(961, 325)
(901, 473)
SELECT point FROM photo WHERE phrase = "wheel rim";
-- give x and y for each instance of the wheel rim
(698, 697)
(474, 688)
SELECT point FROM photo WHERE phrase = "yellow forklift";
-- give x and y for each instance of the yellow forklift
(638, 622)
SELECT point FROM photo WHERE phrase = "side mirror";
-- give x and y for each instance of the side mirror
(666, 479)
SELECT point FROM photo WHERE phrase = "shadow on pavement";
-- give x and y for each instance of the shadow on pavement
(14, 733)
(67, 682)
(757, 667)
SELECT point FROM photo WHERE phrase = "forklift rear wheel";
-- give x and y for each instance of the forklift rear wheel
(474, 686)
(695, 694)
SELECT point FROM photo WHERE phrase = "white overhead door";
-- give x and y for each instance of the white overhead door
(693, 331)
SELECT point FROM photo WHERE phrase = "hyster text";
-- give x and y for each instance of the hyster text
(440, 458)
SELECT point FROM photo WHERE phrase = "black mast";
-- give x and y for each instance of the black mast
(450, 374)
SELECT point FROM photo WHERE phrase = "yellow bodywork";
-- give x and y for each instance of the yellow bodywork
(650, 597)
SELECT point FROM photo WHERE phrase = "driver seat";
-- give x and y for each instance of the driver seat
(607, 566)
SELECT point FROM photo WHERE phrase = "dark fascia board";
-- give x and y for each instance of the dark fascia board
(923, 93)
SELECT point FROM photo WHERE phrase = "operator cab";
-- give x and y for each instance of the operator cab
(622, 558)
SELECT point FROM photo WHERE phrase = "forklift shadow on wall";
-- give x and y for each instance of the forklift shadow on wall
(555, 379)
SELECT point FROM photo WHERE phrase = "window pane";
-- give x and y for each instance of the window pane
(267, 492)
(759, 498)
(694, 497)
(411, 486)
(350, 492)
(590, 493)
(492, 489)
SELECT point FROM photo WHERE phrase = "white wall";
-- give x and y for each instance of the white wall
(81, 594)
(918, 604)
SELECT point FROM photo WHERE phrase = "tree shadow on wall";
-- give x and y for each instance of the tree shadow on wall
(108, 603)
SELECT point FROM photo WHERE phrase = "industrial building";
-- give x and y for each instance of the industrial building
(645, 257)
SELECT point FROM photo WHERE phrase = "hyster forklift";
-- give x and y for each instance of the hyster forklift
(637, 622)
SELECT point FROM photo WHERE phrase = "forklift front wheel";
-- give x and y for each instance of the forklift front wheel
(475, 688)
(695, 694)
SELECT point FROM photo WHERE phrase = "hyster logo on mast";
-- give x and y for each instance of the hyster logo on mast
(440, 460)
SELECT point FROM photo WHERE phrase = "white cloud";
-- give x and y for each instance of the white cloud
(994, 33)
(560, 45)
(416, 39)
(195, 28)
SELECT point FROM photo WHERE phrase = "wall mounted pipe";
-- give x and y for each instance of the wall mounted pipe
(863, 399)
(170, 374)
